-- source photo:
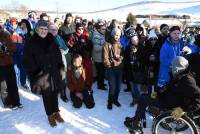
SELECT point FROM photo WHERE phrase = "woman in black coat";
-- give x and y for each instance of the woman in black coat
(134, 55)
(44, 64)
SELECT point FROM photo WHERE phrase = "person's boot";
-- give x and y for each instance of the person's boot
(117, 103)
(129, 118)
(58, 117)
(102, 88)
(64, 98)
(127, 90)
(133, 125)
(52, 120)
(109, 105)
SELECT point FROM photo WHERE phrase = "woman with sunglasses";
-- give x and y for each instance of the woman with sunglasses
(79, 84)
(152, 59)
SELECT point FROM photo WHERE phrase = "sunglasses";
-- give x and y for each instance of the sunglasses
(77, 67)
(103, 29)
(80, 28)
(153, 39)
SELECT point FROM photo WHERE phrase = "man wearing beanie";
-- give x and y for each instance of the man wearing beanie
(98, 40)
(172, 47)
(184, 94)
(68, 27)
(164, 29)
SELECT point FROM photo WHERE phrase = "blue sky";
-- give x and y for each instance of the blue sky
(72, 5)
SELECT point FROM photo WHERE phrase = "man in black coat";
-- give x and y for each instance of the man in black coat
(182, 92)
(44, 65)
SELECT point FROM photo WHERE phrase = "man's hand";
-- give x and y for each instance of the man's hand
(153, 95)
(177, 113)
(186, 49)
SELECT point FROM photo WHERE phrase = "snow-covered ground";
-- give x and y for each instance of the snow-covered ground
(31, 119)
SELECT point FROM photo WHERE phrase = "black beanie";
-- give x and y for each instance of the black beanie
(163, 25)
(79, 25)
(68, 15)
(42, 23)
(174, 28)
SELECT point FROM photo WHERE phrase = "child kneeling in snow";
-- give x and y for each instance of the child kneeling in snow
(78, 82)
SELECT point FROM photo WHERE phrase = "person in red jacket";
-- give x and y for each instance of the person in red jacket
(7, 73)
(79, 84)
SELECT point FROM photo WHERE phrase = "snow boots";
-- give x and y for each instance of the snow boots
(58, 117)
(52, 120)
(134, 125)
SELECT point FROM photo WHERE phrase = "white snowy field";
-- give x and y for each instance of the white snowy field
(31, 119)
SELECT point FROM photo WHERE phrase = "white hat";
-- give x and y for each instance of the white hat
(152, 34)
(116, 31)
(179, 64)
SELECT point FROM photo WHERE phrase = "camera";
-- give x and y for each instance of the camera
(3, 47)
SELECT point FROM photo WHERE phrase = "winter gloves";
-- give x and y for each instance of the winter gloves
(42, 82)
(177, 113)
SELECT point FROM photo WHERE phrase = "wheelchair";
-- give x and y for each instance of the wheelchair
(165, 123)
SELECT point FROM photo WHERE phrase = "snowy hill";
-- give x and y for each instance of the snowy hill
(144, 8)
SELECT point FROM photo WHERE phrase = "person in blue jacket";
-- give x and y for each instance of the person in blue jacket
(53, 29)
(172, 47)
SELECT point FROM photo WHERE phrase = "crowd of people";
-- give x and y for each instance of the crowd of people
(71, 55)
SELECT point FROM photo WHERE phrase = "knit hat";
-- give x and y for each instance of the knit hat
(100, 23)
(152, 34)
(68, 15)
(42, 23)
(79, 25)
(13, 19)
(43, 15)
(162, 26)
(116, 31)
(174, 28)
(139, 28)
(179, 64)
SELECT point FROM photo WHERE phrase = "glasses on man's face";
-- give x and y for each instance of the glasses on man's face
(165, 29)
(153, 39)
(53, 30)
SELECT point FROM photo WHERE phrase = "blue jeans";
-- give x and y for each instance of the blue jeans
(21, 73)
(135, 90)
(114, 81)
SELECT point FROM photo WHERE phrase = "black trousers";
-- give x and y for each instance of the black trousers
(63, 88)
(88, 99)
(7, 73)
(50, 100)
(100, 70)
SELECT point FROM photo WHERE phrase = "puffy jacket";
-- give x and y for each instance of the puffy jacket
(98, 41)
(7, 57)
(168, 51)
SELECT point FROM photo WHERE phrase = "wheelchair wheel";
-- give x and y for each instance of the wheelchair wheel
(180, 125)
(165, 123)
